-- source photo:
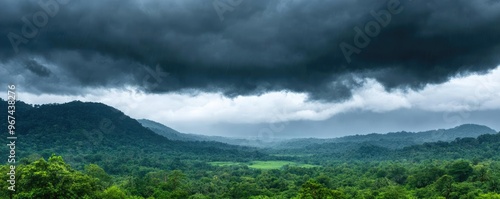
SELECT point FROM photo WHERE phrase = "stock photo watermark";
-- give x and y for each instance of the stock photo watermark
(223, 6)
(371, 29)
(266, 135)
(12, 136)
(34, 23)
(158, 76)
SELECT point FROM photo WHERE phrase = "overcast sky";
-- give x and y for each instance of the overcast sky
(283, 68)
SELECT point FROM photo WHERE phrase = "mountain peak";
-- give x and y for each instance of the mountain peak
(473, 126)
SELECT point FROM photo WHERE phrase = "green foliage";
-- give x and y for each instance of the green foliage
(392, 192)
(314, 190)
(113, 192)
(364, 179)
(444, 185)
(95, 171)
(425, 176)
(489, 196)
(54, 179)
(460, 170)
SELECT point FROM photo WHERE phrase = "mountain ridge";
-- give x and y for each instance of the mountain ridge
(172, 134)
(403, 138)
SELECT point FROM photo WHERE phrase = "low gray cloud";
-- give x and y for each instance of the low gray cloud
(260, 46)
(37, 68)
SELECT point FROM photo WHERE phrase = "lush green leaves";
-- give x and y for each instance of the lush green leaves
(54, 179)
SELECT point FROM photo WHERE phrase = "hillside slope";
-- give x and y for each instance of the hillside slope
(172, 134)
(168, 132)
(84, 132)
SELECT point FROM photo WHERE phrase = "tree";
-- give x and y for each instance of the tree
(314, 190)
(397, 174)
(97, 172)
(176, 179)
(444, 185)
(425, 176)
(460, 170)
(465, 190)
(199, 196)
(489, 196)
(392, 192)
(481, 173)
(54, 179)
(113, 192)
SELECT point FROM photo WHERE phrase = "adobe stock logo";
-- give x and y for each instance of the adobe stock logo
(222, 7)
(30, 28)
(371, 29)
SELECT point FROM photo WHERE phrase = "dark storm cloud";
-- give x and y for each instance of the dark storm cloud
(37, 68)
(260, 45)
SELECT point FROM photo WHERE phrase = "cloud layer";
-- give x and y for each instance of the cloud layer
(266, 48)
(464, 94)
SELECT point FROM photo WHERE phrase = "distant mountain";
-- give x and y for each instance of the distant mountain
(395, 140)
(172, 134)
(168, 132)
(484, 147)
(459, 142)
(446, 135)
(85, 132)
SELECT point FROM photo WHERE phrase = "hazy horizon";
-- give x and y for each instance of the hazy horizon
(388, 122)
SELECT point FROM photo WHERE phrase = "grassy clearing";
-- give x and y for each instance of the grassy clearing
(291, 155)
(269, 164)
(263, 164)
(276, 164)
(221, 164)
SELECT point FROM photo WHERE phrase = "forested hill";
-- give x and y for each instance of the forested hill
(395, 140)
(172, 134)
(484, 147)
(445, 135)
(168, 132)
(84, 132)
